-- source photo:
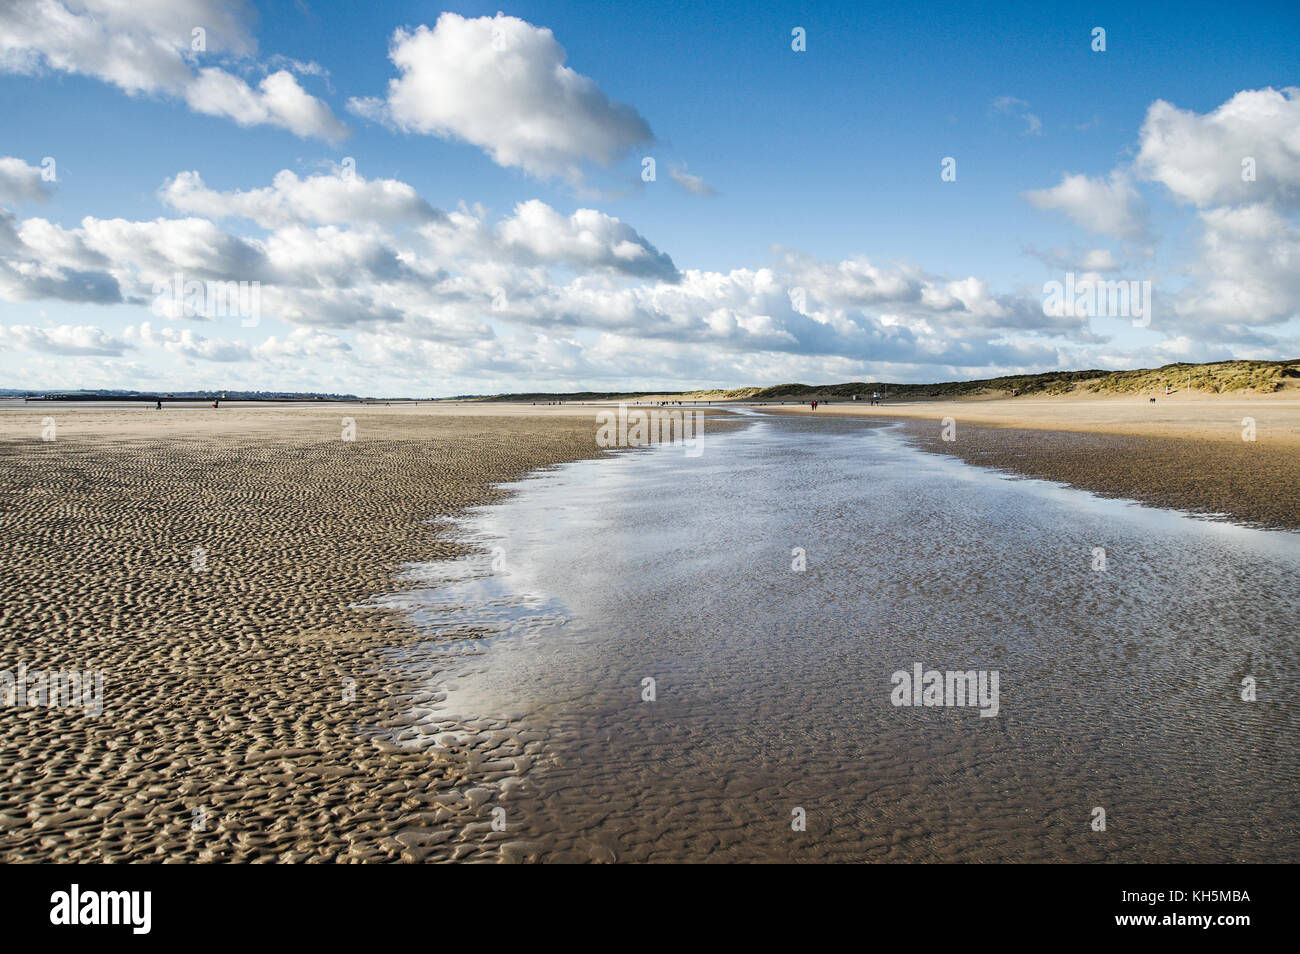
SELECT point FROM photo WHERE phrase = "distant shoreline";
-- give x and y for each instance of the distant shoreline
(1215, 377)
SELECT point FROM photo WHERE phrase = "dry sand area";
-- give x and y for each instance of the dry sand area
(226, 734)
(1186, 451)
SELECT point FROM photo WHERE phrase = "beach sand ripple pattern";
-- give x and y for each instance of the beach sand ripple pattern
(224, 689)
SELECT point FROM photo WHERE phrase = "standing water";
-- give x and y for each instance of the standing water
(708, 659)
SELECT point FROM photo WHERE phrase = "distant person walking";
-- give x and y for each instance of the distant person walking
(159, 407)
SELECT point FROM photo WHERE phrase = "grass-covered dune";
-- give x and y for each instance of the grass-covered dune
(1258, 377)
(1220, 377)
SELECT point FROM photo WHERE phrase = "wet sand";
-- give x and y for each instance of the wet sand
(1183, 453)
(227, 733)
(249, 706)
(1254, 484)
(1211, 417)
(771, 676)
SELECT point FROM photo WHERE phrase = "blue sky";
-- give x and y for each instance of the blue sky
(819, 172)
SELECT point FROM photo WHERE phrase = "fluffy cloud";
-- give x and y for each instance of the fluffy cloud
(1199, 158)
(35, 281)
(1108, 206)
(61, 339)
(500, 83)
(586, 239)
(156, 248)
(372, 281)
(1245, 277)
(536, 234)
(317, 200)
(277, 101)
(187, 343)
(405, 284)
(303, 344)
(1249, 270)
(20, 182)
(39, 260)
(148, 48)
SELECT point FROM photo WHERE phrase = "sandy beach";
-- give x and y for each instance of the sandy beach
(1186, 416)
(230, 720)
(211, 565)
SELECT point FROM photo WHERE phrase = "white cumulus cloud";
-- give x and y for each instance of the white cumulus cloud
(501, 84)
(1249, 270)
(149, 47)
(61, 339)
(20, 182)
(1199, 158)
(1108, 206)
(289, 200)
(587, 238)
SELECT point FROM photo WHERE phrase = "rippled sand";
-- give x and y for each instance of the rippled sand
(226, 690)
